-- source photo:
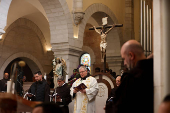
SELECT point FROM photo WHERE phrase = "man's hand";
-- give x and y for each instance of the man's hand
(57, 99)
(83, 91)
(29, 95)
(74, 91)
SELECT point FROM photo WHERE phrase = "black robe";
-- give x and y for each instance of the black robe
(41, 90)
(109, 101)
(136, 92)
(64, 92)
(3, 85)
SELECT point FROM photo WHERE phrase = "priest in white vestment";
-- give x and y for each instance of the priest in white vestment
(85, 99)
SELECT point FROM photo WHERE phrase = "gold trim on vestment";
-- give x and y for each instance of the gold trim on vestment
(85, 99)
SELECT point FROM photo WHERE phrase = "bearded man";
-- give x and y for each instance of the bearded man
(40, 89)
(135, 93)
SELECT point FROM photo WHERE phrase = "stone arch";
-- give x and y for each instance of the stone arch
(31, 25)
(58, 15)
(33, 63)
(98, 7)
(60, 20)
(90, 51)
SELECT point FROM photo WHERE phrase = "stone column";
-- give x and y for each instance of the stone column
(78, 5)
(129, 20)
(160, 50)
(166, 46)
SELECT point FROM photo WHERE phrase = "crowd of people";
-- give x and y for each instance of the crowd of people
(64, 93)
(134, 91)
(130, 95)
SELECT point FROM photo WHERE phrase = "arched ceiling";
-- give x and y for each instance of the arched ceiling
(32, 10)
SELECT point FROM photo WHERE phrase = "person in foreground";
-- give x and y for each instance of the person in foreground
(63, 92)
(47, 108)
(165, 105)
(85, 98)
(40, 89)
(135, 93)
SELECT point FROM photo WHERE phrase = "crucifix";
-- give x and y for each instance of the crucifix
(103, 33)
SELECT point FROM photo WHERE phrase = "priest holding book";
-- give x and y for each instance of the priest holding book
(85, 97)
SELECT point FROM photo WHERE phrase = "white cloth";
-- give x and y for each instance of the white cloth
(85, 103)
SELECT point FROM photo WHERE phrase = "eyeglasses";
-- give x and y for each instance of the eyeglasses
(82, 72)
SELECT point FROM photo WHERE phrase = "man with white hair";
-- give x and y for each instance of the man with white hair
(85, 98)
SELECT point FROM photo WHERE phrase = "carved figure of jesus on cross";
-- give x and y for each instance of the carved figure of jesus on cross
(103, 33)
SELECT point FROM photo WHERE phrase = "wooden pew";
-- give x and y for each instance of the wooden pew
(11, 103)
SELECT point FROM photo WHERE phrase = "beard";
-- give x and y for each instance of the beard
(39, 81)
(131, 65)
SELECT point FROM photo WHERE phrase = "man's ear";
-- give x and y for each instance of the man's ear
(131, 55)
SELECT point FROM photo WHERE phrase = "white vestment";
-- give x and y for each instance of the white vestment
(85, 103)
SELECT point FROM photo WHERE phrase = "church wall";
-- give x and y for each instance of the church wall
(137, 20)
(92, 40)
(114, 38)
(70, 4)
(20, 37)
(116, 6)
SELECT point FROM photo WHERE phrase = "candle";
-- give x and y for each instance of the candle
(9, 87)
(66, 78)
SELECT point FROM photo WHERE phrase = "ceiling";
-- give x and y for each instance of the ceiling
(32, 10)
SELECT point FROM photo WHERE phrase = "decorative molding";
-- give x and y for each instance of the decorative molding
(77, 17)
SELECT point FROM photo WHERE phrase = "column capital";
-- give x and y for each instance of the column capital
(65, 49)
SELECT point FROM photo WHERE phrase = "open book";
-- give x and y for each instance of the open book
(80, 87)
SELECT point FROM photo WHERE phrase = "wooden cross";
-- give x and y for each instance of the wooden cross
(103, 33)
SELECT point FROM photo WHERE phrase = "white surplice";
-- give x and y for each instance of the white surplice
(85, 103)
